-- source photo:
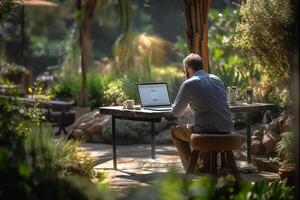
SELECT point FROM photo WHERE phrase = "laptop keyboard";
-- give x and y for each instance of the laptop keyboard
(158, 108)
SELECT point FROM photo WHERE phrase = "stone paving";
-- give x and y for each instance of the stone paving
(136, 168)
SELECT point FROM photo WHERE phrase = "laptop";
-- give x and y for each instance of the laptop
(154, 96)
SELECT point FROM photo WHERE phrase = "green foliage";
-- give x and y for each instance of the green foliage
(41, 47)
(113, 88)
(95, 90)
(279, 95)
(60, 157)
(6, 8)
(270, 190)
(285, 147)
(67, 87)
(115, 93)
(264, 35)
(71, 59)
(181, 47)
(71, 159)
(175, 187)
(125, 87)
(225, 61)
(35, 166)
(11, 67)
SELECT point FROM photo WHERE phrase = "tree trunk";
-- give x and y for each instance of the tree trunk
(86, 45)
(85, 17)
(196, 17)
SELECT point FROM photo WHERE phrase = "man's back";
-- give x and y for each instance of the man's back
(206, 95)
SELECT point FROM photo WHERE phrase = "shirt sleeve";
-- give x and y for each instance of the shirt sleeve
(181, 101)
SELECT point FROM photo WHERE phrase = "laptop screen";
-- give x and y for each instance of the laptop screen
(154, 94)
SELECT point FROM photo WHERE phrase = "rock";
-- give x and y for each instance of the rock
(95, 128)
(270, 115)
(287, 125)
(270, 140)
(256, 147)
(265, 164)
(254, 137)
(273, 126)
(78, 134)
(88, 124)
(257, 134)
(84, 125)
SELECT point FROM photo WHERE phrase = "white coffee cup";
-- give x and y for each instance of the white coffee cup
(128, 104)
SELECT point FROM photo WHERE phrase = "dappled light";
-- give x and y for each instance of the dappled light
(151, 99)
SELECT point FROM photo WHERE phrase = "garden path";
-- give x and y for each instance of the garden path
(136, 168)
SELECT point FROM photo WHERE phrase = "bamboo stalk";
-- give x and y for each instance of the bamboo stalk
(196, 30)
(193, 18)
(189, 42)
(196, 44)
(197, 17)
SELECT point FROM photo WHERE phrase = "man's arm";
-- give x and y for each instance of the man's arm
(181, 101)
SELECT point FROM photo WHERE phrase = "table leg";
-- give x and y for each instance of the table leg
(249, 137)
(114, 142)
(152, 140)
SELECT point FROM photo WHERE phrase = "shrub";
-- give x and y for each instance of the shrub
(264, 34)
(115, 93)
(73, 160)
(229, 64)
(35, 166)
(111, 88)
(67, 87)
(175, 187)
(284, 148)
(95, 90)
(6, 9)
(59, 156)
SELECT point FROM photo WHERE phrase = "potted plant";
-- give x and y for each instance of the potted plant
(284, 149)
(12, 72)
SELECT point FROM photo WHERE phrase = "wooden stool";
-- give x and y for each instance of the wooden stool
(211, 145)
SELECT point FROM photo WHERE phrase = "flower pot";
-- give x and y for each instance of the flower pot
(288, 174)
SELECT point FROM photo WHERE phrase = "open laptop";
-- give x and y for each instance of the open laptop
(154, 96)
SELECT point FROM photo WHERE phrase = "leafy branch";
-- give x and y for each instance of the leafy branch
(6, 8)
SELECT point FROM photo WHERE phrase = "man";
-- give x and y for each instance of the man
(205, 95)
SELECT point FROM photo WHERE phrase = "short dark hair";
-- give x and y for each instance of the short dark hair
(194, 61)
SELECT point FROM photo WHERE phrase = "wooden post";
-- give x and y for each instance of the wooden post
(196, 17)
(84, 94)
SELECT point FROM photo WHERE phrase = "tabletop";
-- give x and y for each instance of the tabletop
(28, 100)
(118, 111)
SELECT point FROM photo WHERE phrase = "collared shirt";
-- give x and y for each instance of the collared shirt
(206, 95)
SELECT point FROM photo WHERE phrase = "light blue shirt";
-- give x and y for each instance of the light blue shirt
(206, 95)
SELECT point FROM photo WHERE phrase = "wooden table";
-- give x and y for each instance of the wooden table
(117, 112)
(60, 106)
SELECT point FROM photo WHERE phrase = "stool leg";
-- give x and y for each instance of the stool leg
(206, 161)
(213, 163)
(231, 161)
(192, 161)
(222, 159)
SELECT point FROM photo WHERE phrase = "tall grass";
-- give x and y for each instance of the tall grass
(57, 156)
